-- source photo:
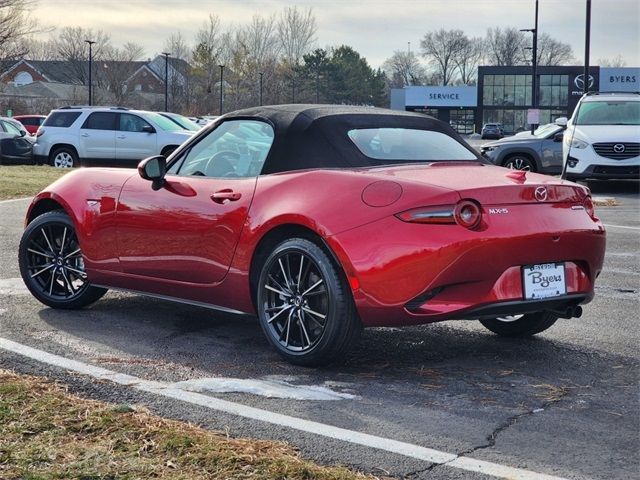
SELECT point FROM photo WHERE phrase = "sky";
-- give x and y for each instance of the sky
(374, 28)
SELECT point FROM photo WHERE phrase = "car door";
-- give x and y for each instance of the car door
(551, 153)
(98, 139)
(187, 230)
(135, 139)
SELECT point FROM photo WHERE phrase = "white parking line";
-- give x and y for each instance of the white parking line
(170, 391)
(620, 226)
(15, 200)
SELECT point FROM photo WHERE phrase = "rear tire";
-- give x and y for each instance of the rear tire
(520, 325)
(51, 263)
(64, 157)
(304, 305)
(519, 162)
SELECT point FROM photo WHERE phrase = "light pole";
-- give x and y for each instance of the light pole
(90, 42)
(261, 74)
(587, 41)
(221, 85)
(318, 85)
(534, 63)
(166, 80)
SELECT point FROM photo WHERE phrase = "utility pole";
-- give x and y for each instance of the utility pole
(317, 85)
(261, 74)
(221, 85)
(90, 42)
(587, 41)
(534, 64)
(166, 80)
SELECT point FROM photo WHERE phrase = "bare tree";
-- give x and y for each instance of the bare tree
(468, 58)
(116, 66)
(70, 46)
(616, 62)
(553, 52)
(40, 49)
(505, 46)
(177, 46)
(297, 33)
(404, 68)
(441, 49)
(15, 24)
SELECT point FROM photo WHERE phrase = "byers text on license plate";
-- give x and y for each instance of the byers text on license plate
(544, 280)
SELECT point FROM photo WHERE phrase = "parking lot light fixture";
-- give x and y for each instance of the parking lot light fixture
(90, 42)
(534, 63)
(221, 85)
(261, 75)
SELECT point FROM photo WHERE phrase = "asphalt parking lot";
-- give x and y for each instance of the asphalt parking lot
(563, 404)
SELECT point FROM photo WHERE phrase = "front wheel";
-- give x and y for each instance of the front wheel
(51, 263)
(520, 162)
(520, 325)
(304, 305)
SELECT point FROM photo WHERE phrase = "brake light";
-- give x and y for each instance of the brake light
(468, 214)
(588, 206)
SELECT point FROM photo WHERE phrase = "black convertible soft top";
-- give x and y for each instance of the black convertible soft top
(315, 136)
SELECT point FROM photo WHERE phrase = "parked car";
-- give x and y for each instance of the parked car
(15, 144)
(31, 122)
(105, 136)
(492, 130)
(181, 121)
(602, 140)
(540, 152)
(321, 220)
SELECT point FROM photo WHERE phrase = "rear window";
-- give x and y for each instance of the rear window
(61, 119)
(609, 113)
(31, 121)
(401, 144)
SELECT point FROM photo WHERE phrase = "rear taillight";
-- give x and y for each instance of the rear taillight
(466, 214)
(40, 132)
(588, 206)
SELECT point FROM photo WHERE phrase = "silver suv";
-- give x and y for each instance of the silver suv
(104, 136)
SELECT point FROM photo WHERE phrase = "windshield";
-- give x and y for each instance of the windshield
(609, 113)
(403, 144)
(163, 122)
(545, 130)
(184, 122)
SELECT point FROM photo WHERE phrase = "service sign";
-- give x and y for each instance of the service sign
(436, 96)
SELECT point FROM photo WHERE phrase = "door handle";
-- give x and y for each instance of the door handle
(226, 195)
(84, 135)
(122, 137)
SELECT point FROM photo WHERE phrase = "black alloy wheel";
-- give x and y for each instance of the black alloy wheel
(304, 305)
(51, 263)
(520, 162)
(520, 325)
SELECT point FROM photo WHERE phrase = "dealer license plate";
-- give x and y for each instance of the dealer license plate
(543, 281)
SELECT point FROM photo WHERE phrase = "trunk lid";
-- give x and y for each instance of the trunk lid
(488, 184)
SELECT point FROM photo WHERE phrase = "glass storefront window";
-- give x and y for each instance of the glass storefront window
(498, 80)
(520, 95)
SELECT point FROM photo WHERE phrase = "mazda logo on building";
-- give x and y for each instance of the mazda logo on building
(618, 148)
(541, 194)
(579, 81)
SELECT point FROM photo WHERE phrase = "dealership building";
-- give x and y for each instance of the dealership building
(503, 95)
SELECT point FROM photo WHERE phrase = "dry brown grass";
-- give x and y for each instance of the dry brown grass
(47, 433)
(18, 181)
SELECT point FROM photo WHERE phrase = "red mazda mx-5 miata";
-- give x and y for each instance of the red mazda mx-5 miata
(321, 220)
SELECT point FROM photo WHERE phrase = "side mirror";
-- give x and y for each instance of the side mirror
(23, 133)
(558, 137)
(148, 129)
(153, 169)
(561, 122)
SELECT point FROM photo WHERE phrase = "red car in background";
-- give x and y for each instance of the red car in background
(321, 220)
(31, 122)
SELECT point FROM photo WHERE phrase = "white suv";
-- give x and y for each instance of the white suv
(104, 136)
(602, 139)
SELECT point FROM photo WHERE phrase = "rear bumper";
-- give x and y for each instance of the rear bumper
(413, 274)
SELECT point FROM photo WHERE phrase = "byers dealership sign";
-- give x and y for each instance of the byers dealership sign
(441, 97)
(619, 79)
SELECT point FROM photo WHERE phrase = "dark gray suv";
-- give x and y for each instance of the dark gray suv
(538, 152)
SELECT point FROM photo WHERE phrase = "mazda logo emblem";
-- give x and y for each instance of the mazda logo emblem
(618, 148)
(541, 194)
(579, 81)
